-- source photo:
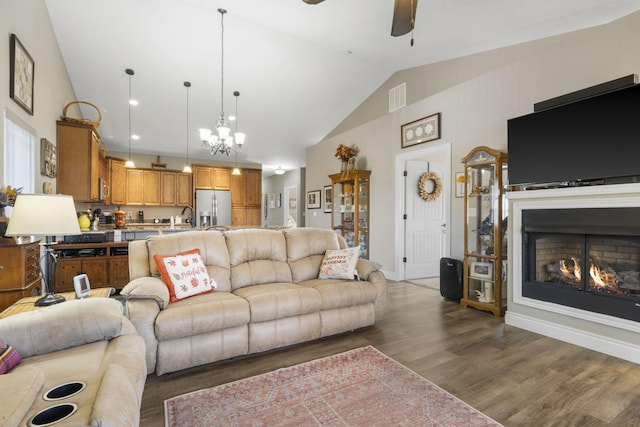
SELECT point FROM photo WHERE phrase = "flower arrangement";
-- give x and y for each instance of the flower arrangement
(8, 196)
(344, 152)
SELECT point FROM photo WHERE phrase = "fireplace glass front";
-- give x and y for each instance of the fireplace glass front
(574, 258)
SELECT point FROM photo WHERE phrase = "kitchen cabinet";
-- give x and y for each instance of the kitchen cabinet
(246, 198)
(485, 243)
(184, 189)
(134, 187)
(143, 187)
(211, 177)
(19, 272)
(78, 161)
(117, 182)
(350, 208)
(168, 188)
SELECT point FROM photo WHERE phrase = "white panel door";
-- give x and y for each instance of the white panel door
(426, 230)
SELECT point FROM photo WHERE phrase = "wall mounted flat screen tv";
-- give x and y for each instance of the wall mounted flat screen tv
(595, 139)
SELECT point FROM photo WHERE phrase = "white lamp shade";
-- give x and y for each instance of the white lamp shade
(223, 132)
(43, 215)
(204, 134)
(239, 136)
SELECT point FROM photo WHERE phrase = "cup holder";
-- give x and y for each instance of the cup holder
(63, 391)
(53, 414)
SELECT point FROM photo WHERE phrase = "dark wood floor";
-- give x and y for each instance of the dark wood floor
(516, 377)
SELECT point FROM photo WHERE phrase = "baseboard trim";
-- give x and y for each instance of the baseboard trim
(603, 344)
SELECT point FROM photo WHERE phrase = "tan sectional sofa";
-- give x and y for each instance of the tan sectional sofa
(87, 342)
(268, 295)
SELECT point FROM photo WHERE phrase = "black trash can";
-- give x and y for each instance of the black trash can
(451, 278)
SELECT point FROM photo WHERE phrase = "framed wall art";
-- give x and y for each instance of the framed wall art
(47, 158)
(21, 75)
(423, 130)
(481, 270)
(327, 199)
(313, 199)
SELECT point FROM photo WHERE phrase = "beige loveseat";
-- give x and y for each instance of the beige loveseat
(87, 342)
(268, 295)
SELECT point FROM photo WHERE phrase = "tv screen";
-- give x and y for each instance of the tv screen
(591, 139)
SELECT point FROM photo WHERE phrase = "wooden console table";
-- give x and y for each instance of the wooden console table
(28, 303)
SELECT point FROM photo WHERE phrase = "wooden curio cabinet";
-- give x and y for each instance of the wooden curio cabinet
(485, 228)
(350, 208)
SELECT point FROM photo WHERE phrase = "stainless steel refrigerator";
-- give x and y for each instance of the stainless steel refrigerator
(213, 207)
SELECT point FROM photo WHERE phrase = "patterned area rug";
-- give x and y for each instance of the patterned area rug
(361, 387)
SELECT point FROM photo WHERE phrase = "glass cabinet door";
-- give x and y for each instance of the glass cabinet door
(481, 209)
(350, 208)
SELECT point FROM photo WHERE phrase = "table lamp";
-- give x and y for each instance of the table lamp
(44, 215)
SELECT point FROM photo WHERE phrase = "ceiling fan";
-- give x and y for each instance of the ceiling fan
(404, 15)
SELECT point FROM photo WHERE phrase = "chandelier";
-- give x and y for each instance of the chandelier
(222, 141)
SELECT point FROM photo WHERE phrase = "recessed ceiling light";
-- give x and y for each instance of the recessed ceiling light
(133, 102)
(279, 171)
(136, 137)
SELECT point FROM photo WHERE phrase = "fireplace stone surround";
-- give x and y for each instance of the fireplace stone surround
(601, 332)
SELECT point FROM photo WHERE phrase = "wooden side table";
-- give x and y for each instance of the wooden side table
(19, 272)
(28, 303)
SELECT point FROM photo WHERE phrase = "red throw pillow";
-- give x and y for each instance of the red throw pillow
(184, 274)
(8, 357)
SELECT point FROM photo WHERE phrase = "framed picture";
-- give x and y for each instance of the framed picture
(460, 184)
(327, 199)
(313, 199)
(481, 270)
(21, 75)
(47, 158)
(423, 130)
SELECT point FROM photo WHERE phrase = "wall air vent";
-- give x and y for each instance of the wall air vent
(397, 97)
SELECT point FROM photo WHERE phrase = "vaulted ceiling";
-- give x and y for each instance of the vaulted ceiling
(300, 69)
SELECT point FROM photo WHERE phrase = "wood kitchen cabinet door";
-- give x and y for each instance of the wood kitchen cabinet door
(168, 184)
(221, 178)
(78, 161)
(134, 187)
(184, 193)
(253, 187)
(151, 188)
(237, 190)
(117, 182)
(203, 177)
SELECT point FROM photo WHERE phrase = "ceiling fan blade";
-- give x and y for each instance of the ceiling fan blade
(404, 16)
(313, 1)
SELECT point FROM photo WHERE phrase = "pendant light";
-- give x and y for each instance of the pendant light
(239, 136)
(129, 163)
(221, 141)
(187, 167)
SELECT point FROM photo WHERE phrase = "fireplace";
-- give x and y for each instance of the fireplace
(573, 266)
(587, 258)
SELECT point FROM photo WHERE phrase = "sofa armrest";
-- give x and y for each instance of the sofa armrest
(70, 324)
(142, 314)
(147, 288)
(365, 267)
(382, 301)
(21, 387)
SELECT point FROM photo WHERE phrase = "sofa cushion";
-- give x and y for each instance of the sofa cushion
(257, 256)
(184, 274)
(8, 357)
(339, 264)
(279, 300)
(24, 386)
(201, 314)
(342, 293)
(213, 251)
(305, 250)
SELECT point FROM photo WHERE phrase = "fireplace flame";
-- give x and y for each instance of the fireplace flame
(576, 269)
(594, 272)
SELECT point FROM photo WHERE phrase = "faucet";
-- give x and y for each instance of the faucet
(190, 218)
